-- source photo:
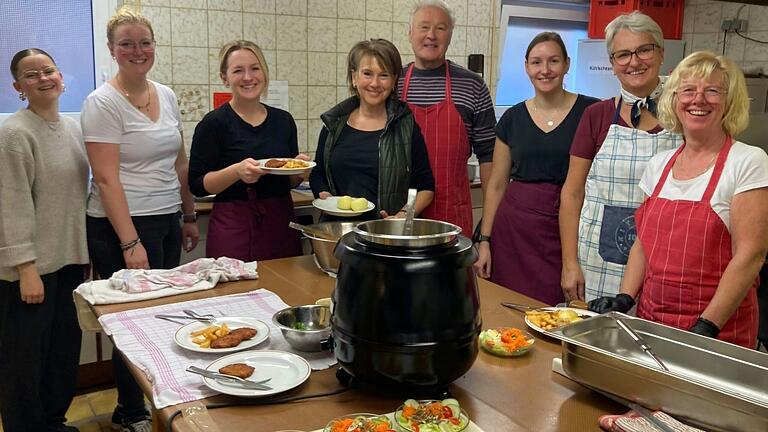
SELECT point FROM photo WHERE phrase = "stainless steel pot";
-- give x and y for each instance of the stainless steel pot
(323, 248)
(389, 232)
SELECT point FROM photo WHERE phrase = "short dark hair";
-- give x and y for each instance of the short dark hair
(385, 53)
(547, 37)
(23, 54)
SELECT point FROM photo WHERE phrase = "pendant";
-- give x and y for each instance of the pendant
(550, 123)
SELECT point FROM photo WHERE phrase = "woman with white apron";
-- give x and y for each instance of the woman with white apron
(610, 150)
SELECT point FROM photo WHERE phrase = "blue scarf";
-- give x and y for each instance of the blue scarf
(638, 103)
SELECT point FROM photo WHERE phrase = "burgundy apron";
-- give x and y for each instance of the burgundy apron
(448, 147)
(253, 230)
(525, 245)
(687, 248)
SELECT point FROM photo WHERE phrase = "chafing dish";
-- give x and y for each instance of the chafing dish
(710, 384)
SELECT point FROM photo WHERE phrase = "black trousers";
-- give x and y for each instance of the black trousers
(39, 353)
(161, 237)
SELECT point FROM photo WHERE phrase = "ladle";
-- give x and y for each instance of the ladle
(313, 232)
(408, 226)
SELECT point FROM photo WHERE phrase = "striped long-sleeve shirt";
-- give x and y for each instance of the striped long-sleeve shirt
(469, 93)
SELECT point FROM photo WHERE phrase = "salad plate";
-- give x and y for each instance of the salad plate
(431, 416)
(286, 370)
(506, 341)
(183, 337)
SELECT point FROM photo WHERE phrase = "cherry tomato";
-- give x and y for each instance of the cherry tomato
(415, 427)
(447, 413)
(454, 420)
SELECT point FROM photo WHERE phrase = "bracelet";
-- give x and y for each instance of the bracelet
(189, 217)
(129, 245)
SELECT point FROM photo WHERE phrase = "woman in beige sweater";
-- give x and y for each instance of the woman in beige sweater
(43, 187)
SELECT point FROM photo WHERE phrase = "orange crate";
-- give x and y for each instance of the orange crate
(667, 13)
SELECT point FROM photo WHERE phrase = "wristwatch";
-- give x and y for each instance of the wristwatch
(189, 217)
(482, 238)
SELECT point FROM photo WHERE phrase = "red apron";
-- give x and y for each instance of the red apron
(448, 148)
(687, 248)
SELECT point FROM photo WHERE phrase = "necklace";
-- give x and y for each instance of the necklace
(551, 118)
(128, 96)
(712, 159)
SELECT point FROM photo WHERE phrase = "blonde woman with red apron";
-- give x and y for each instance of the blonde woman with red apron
(448, 147)
(607, 224)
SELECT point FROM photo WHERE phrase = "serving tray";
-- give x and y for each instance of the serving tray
(711, 384)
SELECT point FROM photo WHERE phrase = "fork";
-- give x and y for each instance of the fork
(196, 315)
(259, 385)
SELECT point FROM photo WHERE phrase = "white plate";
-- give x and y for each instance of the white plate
(184, 340)
(287, 371)
(536, 328)
(330, 205)
(285, 171)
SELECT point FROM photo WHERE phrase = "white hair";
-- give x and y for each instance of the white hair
(636, 22)
(440, 4)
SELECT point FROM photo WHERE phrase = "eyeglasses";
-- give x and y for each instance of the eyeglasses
(145, 45)
(643, 52)
(34, 75)
(711, 94)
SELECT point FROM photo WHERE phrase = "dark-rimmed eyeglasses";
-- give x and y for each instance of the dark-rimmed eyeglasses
(643, 52)
(34, 75)
(711, 94)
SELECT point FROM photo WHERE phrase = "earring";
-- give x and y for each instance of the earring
(63, 88)
(22, 96)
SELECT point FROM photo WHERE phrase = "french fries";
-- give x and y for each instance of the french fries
(294, 163)
(549, 320)
(204, 337)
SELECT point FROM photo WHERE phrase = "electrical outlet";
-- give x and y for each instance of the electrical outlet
(726, 25)
(739, 25)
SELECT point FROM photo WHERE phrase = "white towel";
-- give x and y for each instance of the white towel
(136, 285)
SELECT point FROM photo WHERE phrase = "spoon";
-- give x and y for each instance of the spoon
(312, 232)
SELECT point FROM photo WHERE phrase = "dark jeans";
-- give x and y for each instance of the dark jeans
(161, 237)
(39, 353)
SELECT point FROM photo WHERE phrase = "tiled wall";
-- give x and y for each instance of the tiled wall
(701, 31)
(305, 42)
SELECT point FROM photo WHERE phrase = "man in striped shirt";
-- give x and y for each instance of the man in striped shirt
(453, 107)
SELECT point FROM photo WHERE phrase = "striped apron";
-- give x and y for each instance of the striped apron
(611, 196)
(687, 249)
(448, 147)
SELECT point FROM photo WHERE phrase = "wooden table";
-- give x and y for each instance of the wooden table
(500, 394)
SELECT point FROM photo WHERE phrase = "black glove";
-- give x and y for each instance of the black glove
(621, 303)
(705, 327)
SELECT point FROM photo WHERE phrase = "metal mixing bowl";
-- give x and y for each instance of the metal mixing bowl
(304, 326)
(323, 248)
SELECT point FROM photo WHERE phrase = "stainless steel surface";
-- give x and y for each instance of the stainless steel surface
(259, 385)
(409, 207)
(647, 415)
(312, 232)
(388, 232)
(323, 248)
(314, 322)
(710, 384)
(640, 342)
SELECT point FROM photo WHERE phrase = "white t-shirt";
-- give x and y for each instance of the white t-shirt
(745, 169)
(148, 150)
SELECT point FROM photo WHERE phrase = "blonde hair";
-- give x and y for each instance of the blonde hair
(701, 65)
(237, 45)
(125, 15)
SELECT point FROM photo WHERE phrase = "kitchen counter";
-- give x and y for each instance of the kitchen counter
(500, 394)
(300, 199)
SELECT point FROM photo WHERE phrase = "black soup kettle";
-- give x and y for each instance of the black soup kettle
(406, 307)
